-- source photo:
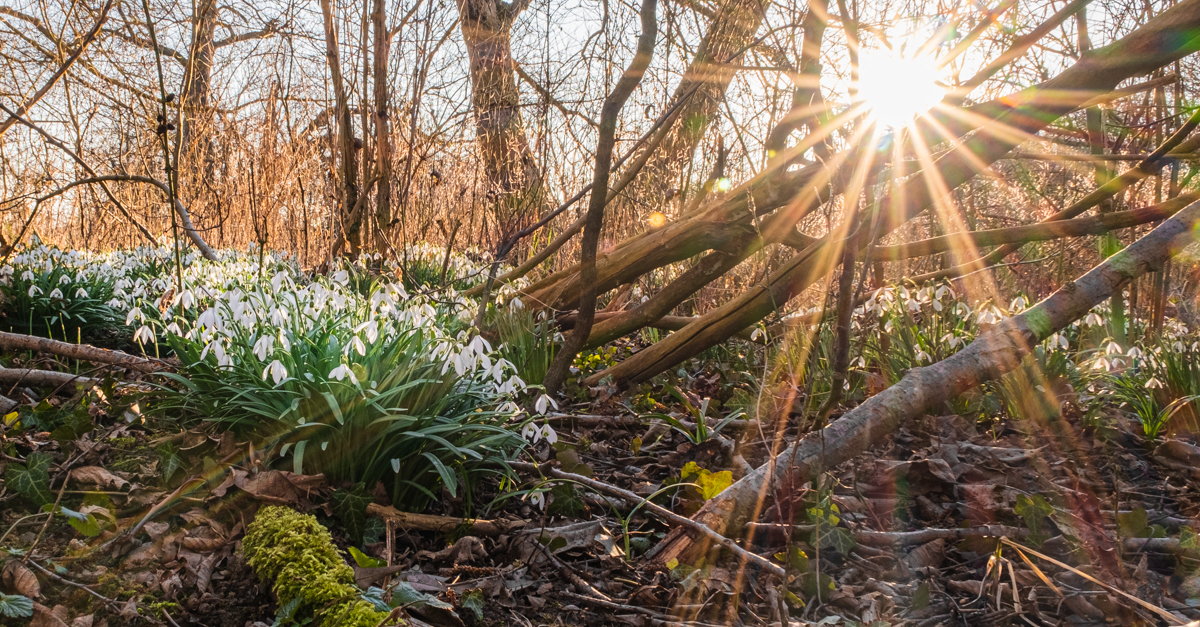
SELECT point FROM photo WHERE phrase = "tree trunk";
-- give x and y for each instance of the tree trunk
(197, 124)
(516, 188)
(346, 142)
(708, 76)
(383, 133)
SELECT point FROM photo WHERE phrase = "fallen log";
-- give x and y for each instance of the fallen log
(82, 352)
(43, 378)
(443, 524)
(992, 354)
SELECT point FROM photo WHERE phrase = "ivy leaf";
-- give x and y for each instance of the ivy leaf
(15, 606)
(170, 460)
(365, 561)
(350, 507)
(31, 480)
(287, 611)
(1133, 524)
(1035, 511)
(473, 600)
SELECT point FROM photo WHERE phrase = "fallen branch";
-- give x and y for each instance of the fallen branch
(43, 378)
(443, 524)
(82, 352)
(657, 510)
(888, 539)
(992, 354)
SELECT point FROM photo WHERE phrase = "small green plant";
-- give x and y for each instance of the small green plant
(701, 433)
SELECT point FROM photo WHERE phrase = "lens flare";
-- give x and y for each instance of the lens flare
(895, 88)
(656, 220)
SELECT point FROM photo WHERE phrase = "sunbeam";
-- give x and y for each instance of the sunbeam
(895, 88)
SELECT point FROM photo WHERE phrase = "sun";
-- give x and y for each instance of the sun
(895, 89)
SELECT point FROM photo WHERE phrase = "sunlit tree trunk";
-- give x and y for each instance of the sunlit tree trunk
(346, 143)
(517, 190)
(383, 134)
(197, 120)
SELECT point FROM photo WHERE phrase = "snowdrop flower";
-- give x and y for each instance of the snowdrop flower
(757, 333)
(532, 433)
(27, 275)
(1057, 340)
(115, 303)
(209, 319)
(371, 328)
(34, 290)
(1093, 319)
(1113, 349)
(952, 339)
(143, 335)
(64, 279)
(343, 371)
(276, 370)
(912, 305)
(133, 313)
(922, 356)
(185, 299)
(56, 293)
(81, 293)
(174, 329)
(1154, 383)
(540, 405)
(263, 347)
(937, 305)
(538, 500)
(549, 434)
(1019, 304)
(357, 345)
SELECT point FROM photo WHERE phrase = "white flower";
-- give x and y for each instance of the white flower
(1019, 304)
(173, 328)
(1154, 383)
(262, 348)
(133, 313)
(143, 335)
(276, 370)
(81, 293)
(1093, 319)
(1135, 352)
(343, 371)
(27, 275)
(922, 356)
(34, 290)
(549, 434)
(396, 465)
(358, 346)
(531, 432)
(56, 293)
(538, 500)
(64, 279)
(1113, 349)
(757, 333)
(540, 405)
(185, 299)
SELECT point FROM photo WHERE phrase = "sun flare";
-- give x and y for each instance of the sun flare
(895, 88)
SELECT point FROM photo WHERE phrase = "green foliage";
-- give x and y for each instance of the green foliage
(708, 483)
(295, 552)
(526, 340)
(1035, 511)
(31, 479)
(58, 301)
(15, 606)
(350, 507)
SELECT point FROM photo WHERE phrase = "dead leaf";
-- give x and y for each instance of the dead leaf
(83, 621)
(928, 555)
(922, 477)
(278, 486)
(203, 545)
(46, 617)
(19, 578)
(99, 477)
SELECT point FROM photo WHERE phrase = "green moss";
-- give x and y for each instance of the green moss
(297, 552)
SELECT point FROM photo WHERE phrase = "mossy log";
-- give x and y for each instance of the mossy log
(296, 552)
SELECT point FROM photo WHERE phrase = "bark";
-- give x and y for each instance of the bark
(511, 169)
(1165, 38)
(383, 134)
(346, 144)
(197, 120)
(59, 73)
(704, 84)
(806, 98)
(992, 354)
(610, 114)
(82, 352)
(1041, 232)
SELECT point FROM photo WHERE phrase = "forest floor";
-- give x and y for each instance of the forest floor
(1097, 526)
